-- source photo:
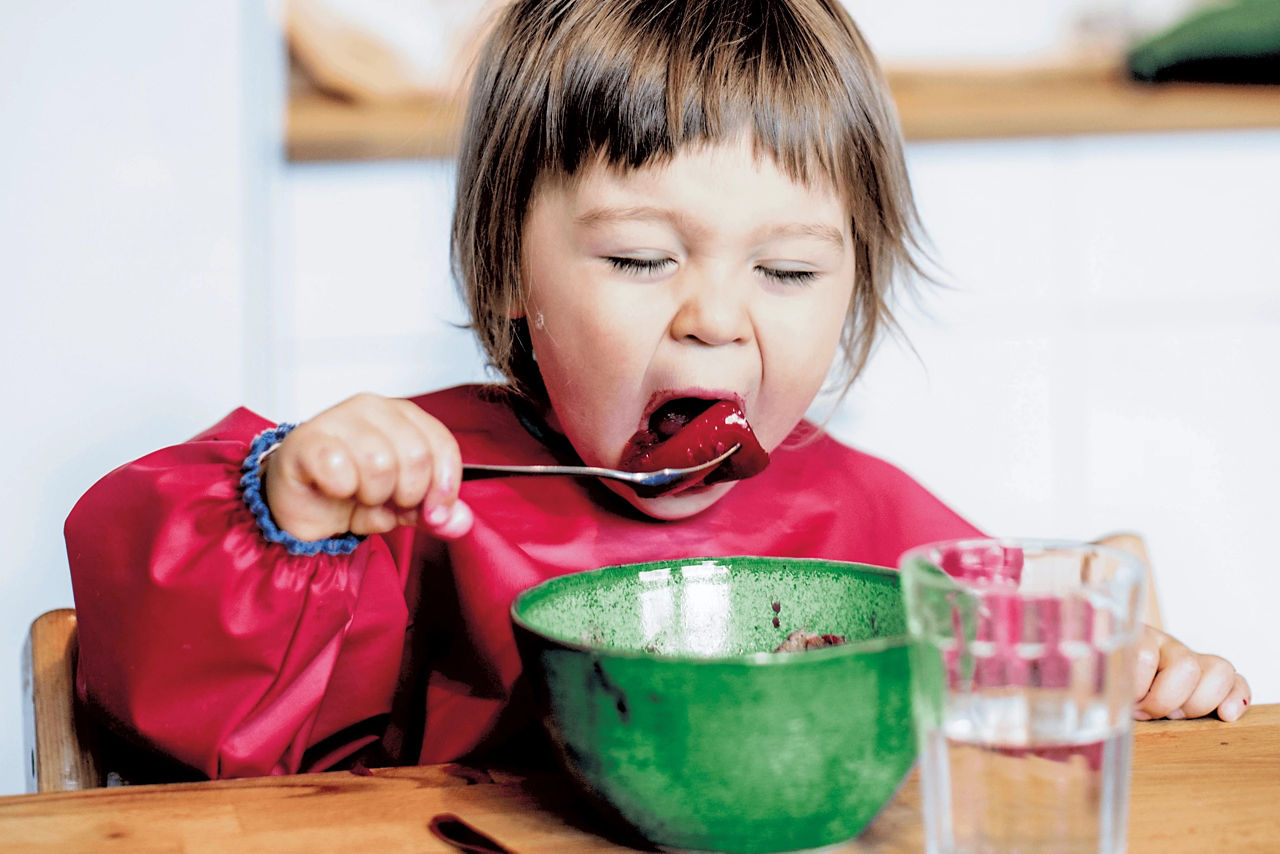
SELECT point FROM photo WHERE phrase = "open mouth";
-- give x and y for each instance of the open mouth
(689, 431)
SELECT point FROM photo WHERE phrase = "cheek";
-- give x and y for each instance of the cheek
(572, 337)
(584, 320)
(591, 394)
(809, 335)
(797, 361)
(796, 375)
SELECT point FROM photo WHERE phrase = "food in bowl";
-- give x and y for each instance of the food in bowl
(800, 640)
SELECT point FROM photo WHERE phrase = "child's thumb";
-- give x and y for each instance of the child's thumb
(449, 522)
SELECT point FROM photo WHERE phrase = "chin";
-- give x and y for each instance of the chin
(682, 505)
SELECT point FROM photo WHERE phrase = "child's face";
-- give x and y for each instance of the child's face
(714, 276)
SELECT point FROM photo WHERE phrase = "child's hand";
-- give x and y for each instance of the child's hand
(366, 466)
(1172, 681)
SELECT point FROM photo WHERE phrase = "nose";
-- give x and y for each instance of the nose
(713, 311)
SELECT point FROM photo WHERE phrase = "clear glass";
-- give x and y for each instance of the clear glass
(1022, 663)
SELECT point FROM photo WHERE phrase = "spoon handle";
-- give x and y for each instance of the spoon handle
(662, 477)
(483, 471)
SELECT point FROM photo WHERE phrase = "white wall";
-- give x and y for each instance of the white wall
(1106, 358)
(368, 300)
(134, 164)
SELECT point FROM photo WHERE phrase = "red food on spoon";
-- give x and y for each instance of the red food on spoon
(689, 431)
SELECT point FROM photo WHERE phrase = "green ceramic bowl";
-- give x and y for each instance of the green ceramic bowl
(663, 699)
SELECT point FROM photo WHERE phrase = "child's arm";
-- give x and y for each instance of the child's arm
(231, 652)
(1173, 681)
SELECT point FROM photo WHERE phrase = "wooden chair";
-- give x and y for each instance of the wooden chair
(62, 745)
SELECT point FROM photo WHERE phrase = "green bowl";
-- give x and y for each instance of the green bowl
(662, 697)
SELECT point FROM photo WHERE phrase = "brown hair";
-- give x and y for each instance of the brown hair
(561, 83)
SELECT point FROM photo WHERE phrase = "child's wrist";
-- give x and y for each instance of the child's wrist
(251, 486)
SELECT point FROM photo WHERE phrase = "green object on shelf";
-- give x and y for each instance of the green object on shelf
(1234, 43)
(664, 701)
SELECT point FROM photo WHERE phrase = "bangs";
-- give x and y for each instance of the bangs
(635, 85)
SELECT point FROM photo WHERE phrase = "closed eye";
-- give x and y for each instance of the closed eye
(788, 277)
(638, 266)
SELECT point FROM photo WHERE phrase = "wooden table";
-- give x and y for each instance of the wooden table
(1198, 786)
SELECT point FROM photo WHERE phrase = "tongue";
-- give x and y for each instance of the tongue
(678, 439)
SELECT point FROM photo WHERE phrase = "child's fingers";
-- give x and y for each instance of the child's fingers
(1148, 662)
(446, 459)
(376, 460)
(1237, 699)
(1177, 675)
(372, 520)
(308, 481)
(1217, 677)
(409, 517)
(413, 451)
(322, 462)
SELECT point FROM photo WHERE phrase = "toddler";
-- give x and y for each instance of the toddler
(671, 218)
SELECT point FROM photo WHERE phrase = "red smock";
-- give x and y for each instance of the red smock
(234, 656)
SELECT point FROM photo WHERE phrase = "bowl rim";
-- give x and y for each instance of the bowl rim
(755, 659)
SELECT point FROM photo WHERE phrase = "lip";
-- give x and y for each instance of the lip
(658, 398)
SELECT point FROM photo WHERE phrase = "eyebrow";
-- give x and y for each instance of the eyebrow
(825, 233)
(638, 213)
(647, 213)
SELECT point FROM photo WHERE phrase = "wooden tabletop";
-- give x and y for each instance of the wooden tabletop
(1081, 96)
(1197, 786)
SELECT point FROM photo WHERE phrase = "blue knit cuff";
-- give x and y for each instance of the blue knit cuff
(251, 485)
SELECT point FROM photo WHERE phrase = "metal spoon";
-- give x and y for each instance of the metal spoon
(651, 479)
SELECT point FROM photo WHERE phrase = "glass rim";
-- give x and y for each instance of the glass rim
(1131, 571)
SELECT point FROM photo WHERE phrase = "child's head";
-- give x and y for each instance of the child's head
(590, 122)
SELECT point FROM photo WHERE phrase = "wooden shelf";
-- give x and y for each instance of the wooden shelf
(1069, 100)
(320, 127)
(934, 104)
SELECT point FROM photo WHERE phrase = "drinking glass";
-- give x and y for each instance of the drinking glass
(1022, 661)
